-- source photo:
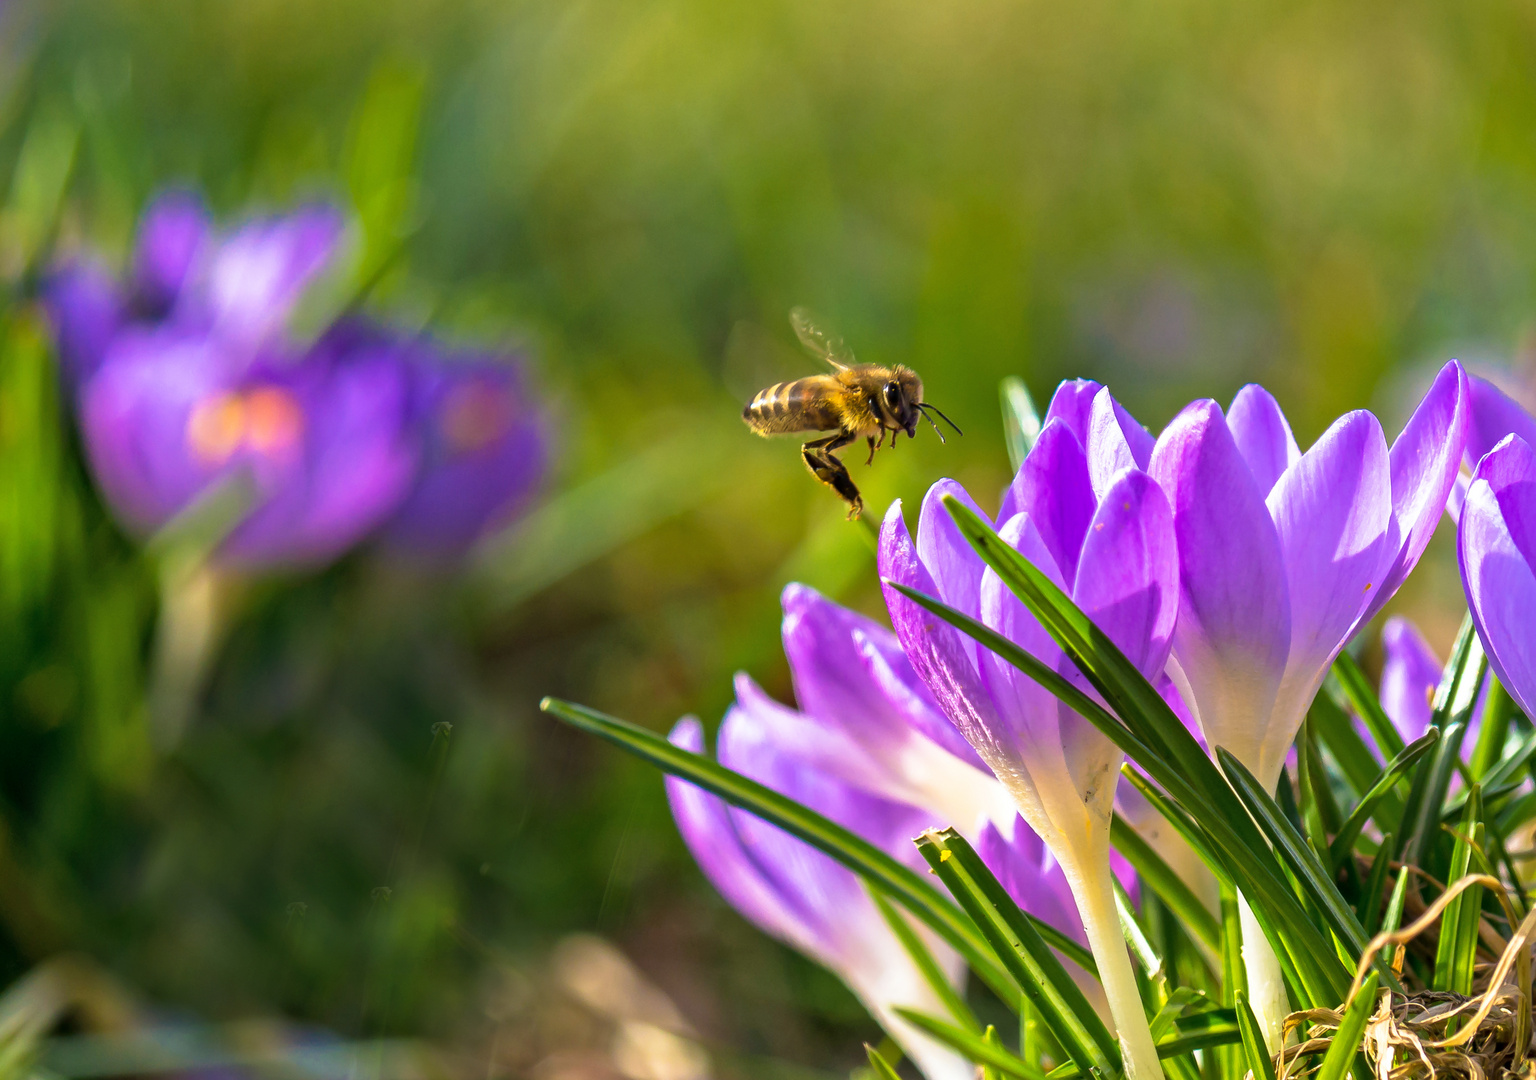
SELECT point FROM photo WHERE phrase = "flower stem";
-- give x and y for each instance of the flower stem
(1095, 895)
(1266, 985)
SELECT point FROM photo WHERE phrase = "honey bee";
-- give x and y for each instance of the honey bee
(855, 401)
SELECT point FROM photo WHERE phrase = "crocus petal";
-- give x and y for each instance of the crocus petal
(1054, 488)
(1128, 577)
(135, 421)
(87, 311)
(704, 821)
(1026, 739)
(1333, 512)
(949, 557)
(1024, 866)
(356, 462)
(1492, 414)
(943, 658)
(484, 454)
(172, 234)
(1263, 435)
(1496, 545)
(849, 671)
(1115, 442)
(1072, 404)
(257, 275)
(1425, 461)
(1409, 675)
(1234, 626)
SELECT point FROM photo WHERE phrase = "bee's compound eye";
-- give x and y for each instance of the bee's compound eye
(892, 395)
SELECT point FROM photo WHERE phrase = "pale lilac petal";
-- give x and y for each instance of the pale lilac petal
(87, 311)
(172, 235)
(1128, 577)
(1072, 404)
(830, 677)
(1032, 877)
(1457, 497)
(257, 276)
(1492, 414)
(1496, 545)
(705, 824)
(1054, 488)
(1425, 461)
(1115, 442)
(892, 676)
(826, 747)
(1333, 512)
(1234, 626)
(1263, 435)
(949, 557)
(1409, 675)
(943, 658)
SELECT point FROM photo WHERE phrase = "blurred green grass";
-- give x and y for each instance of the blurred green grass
(1175, 198)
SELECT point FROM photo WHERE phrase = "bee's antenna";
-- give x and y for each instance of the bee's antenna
(923, 405)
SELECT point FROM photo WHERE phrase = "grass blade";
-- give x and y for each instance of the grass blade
(1454, 699)
(923, 959)
(1161, 878)
(1021, 420)
(1346, 1040)
(1497, 713)
(1022, 951)
(882, 1068)
(1344, 842)
(1457, 948)
(1369, 909)
(1315, 882)
(1257, 1054)
(975, 1048)
(899, 882)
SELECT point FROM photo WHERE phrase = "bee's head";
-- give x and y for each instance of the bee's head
(900, 396)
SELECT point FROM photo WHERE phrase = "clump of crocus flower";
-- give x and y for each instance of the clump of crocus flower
(1283, 556)
(1229, 569)
(206, 414)
(190, 381)
(870, 749)
(1084, 510)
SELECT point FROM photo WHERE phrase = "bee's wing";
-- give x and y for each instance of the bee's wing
(818, 342)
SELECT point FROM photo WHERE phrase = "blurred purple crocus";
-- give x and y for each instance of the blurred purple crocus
(1496, 546)
(189, 382)
(484, 451)
(1083, 510)
(804, 898)
(1410, 674)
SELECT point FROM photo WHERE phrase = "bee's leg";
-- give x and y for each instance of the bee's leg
(826, 467)
(872, 444)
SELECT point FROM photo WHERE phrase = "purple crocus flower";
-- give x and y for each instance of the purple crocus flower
(868, 720)
(189, 381)
(1496, 546)
(1410, 673)
(804, 898)
(1283, 556)
(320, 452)
(187, 385)
(1083, 511)
(484, 451)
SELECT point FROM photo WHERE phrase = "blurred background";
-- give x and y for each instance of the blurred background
(369, 854)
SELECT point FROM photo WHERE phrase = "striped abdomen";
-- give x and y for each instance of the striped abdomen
(801, 405)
